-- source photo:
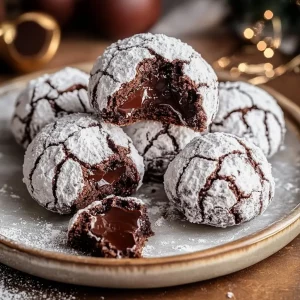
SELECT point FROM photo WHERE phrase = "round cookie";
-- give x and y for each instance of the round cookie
(154, 77)
(220, 180)
(47, 98)
(77, 160)
(159, 143)
(251, 113)
(114, 227)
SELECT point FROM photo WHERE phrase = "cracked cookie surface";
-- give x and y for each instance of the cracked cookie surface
(78, 159)
(154, 77)
(47, 98)
(115, 227)
(158, 144)
(220, 180)
(250, 112)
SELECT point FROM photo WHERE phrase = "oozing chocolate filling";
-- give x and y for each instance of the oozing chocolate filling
(108, 177)
(117, 226)
(155, 90)
(161, 92)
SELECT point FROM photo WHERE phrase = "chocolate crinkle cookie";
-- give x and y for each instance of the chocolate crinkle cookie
(251, 113)
(154, 77)
(158, 143)
(114, 227)
(221, 180)
(47, 98)
(78, 159)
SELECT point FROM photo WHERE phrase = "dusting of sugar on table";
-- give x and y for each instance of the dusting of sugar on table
(18, 286)
(230, 295)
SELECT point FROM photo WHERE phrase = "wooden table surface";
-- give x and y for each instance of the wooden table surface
(277, 277)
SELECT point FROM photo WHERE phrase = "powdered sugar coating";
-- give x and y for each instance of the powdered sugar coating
(47, 98)
(158, 144)
(54, 161)
(250, 112)
(119, 63)
(221, 180)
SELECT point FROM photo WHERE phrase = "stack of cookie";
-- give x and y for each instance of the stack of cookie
(210, 156)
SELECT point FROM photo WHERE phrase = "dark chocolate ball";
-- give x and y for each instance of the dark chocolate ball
(123, 18)
(61, 10)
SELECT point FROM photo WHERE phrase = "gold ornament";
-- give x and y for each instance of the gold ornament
(268, 46)
(30, 41)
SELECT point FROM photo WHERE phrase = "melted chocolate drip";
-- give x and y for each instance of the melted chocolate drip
(110, 176)
(117, 226)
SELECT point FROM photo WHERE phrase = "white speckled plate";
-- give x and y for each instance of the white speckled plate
(33, 239)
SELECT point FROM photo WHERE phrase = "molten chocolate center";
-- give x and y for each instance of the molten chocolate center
(108, 177)
(117, 226)
(155, 90)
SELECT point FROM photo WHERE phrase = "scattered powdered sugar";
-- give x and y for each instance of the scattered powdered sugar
(48, 237)
(230, 295)
(289, 186)
(160, 222)
(183, 248)
(7, 190)
(154, 210)
(15, 196)
(148, 249)
(3, 189)
(15, 285)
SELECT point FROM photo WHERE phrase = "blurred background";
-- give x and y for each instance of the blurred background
(258, 39)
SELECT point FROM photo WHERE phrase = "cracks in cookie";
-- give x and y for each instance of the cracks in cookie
(247, 109)
(257, 169)
(215, 176)
(238, 88)
(186, 166)
(104, 72)
(165, 130)
(57, 110)
(244, 112)
(45, 147)
(267, 132)
(55, 179)
(82, 103)
(27, 121)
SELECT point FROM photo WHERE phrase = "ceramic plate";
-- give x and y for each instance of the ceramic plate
(33, 240)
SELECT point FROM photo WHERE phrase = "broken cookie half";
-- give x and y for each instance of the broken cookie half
(115, 227)
(154, 77)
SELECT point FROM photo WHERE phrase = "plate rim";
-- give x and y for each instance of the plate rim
(221, 250)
